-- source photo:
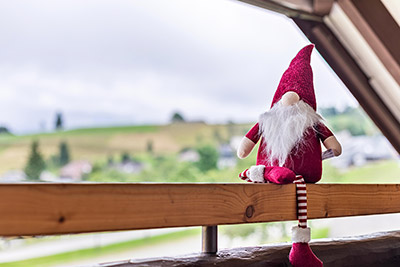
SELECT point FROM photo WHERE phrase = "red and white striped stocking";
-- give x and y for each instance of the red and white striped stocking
(301, 254)
(301, 195)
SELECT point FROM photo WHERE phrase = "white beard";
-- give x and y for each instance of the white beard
(283, 128)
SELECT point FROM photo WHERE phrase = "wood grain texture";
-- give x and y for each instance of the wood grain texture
(46, 209)
(378, 28)
(322, 7)
(377, 250)
(341, 200)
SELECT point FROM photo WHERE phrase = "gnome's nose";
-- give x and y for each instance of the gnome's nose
(290, 98)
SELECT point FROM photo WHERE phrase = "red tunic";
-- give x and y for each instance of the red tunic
(305, 160)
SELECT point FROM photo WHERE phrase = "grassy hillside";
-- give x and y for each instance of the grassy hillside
(386, 171)
(351, 119)
(96, 144)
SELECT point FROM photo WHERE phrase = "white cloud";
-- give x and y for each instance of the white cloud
(121, 62)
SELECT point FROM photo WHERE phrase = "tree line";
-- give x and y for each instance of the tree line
(36, 163)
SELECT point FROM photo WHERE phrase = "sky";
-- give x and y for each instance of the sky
(120, 62)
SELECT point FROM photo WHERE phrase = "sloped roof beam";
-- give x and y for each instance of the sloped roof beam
(379, 29)
(322, 7)
(281, 7)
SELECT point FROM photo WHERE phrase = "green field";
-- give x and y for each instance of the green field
(387, 171)
(96, 144)
(92, 253)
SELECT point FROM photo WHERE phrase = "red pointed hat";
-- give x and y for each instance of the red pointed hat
(298, 78)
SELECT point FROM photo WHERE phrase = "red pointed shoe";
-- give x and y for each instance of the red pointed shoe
(301, 254)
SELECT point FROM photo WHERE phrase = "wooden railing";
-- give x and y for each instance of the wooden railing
(52, 209)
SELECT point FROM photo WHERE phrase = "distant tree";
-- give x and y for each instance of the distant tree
(125, 157)
(64, 156)
(350, 110)
(35, 164)
(110, 160)
(4, 130)
(59, 121)
(329, 111)
(208, 158)
(177, 117)
(149, 147)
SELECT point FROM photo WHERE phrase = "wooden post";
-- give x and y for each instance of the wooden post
(210, 239)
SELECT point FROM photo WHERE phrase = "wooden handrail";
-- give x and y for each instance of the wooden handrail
(47, 209)
(378, 249)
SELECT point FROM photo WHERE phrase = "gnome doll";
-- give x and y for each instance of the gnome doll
(291, 133)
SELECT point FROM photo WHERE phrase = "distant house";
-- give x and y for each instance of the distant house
(189, 155)
(75, 170)
(47, 176)
(128, 166)
(358, 150)
(13, 176)
(227, 157)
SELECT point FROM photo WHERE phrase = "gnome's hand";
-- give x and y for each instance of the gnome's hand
(327, 154)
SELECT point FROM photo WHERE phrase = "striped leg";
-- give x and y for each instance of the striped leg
(301, 254)
(301, 194)
(245, 176)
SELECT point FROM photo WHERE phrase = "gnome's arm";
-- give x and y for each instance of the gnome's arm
(332, 143)
(329, 140)
(248, 142)
(245, 147)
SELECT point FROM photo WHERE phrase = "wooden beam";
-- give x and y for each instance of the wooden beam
(305, 12)
(370, 250)
(47, 209)
(378, 28)
(322, 7)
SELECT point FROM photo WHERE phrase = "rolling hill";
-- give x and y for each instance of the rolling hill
(96, 144)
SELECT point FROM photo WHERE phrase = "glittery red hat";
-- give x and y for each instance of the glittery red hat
(298, 78)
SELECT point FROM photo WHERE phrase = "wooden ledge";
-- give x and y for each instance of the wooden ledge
(380, 249)
(47, 209)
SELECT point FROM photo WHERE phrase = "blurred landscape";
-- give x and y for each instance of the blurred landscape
(181, 151)
(177, 152)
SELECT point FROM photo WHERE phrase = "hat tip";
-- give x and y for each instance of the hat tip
(304, 55)
(310, 46)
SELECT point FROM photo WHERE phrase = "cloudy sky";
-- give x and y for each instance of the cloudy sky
(136, 62)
